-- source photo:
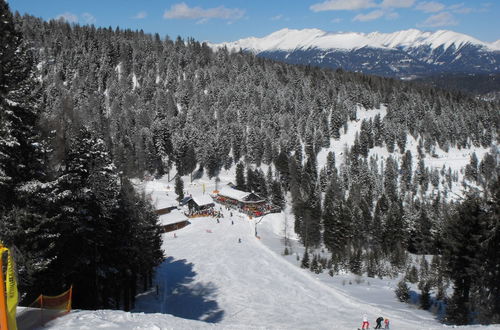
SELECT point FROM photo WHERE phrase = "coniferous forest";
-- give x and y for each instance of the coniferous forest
(85, 109)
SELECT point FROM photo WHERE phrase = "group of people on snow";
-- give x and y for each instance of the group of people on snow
(379, 320)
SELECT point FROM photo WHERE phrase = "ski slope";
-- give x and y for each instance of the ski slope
(209, 280)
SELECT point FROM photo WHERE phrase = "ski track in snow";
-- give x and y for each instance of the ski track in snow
(210, 277)
(209, 280)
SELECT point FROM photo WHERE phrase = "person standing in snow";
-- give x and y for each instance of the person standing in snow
(365, 324)
(379, 322)
(386, 322)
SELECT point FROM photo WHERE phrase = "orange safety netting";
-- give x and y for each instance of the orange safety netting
(45, 309)
(60, 302)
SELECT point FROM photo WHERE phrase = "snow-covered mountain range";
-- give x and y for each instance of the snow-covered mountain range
(402, 54)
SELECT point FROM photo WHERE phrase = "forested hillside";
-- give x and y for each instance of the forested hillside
(67, 213)
(145, 104)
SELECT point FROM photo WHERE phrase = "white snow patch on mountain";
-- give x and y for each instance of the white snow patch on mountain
(291, 39)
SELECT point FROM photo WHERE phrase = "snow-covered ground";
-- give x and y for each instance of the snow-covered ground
(210, 280)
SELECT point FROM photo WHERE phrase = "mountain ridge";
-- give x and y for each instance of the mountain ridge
(290, 39)
(406, 54)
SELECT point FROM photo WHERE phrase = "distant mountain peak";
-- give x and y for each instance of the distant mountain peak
(290, 39)
(406, 54)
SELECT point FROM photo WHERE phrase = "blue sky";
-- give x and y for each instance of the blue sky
(229, 20)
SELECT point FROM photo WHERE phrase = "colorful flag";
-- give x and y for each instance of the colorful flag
(11, 293)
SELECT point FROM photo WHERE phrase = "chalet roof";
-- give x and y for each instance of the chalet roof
(227, 191)
(236, 194)
(161, 203)
(202, 200)
(185, 200)
(173, 217)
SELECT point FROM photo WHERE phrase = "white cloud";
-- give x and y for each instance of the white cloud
(397, 3)
(277, 17)
(391, 15)
(429, 6)
(88, 18)
(183, 11)
(336, 20)
(376, 14)
(460, 8)
(68, 17)
(140, 15)
(442, 19)
(342, 5)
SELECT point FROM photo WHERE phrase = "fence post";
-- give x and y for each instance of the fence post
(41, 309)
(68, 308)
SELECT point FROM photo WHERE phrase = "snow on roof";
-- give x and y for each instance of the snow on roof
(162, 204)
(239, 195)
(203, 199)
(173, 217)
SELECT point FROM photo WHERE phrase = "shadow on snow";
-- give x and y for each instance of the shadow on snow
(184, 298)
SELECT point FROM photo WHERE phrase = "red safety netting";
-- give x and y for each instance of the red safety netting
(44, 309)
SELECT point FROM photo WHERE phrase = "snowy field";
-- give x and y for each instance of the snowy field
(210, 280)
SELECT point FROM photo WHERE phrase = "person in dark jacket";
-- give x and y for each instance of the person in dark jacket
(379, 323)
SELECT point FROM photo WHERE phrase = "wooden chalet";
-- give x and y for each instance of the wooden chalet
(200, 203)
(238, 197)
(246, 202)
(173, 220)
(165, 210)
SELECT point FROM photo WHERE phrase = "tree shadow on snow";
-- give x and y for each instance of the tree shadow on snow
(186, 299)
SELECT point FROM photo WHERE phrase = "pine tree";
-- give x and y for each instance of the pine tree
(22, 153)
(425, 296)
(461, 256)
(356, 262)
(277, 197)
(403, 291)
(240, 176)
(412, 275)
(406, 170)
(179, 188)
(490, 279)
(20, 146)
(305, 260)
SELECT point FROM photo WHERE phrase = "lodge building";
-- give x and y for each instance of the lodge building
(246, 202)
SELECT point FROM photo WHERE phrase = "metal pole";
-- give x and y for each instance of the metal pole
(257, 223)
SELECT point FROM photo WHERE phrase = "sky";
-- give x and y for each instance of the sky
(230, 20)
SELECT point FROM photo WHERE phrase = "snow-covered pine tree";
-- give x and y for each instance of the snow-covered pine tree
(179, 188)
(20, 145)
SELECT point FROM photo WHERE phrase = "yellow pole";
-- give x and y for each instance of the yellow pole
(3, 306)
(11, 293)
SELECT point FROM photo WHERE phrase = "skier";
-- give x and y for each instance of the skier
(239, 240)
(379, 322)
(386, 322)
(232, 222)
(365, 324)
